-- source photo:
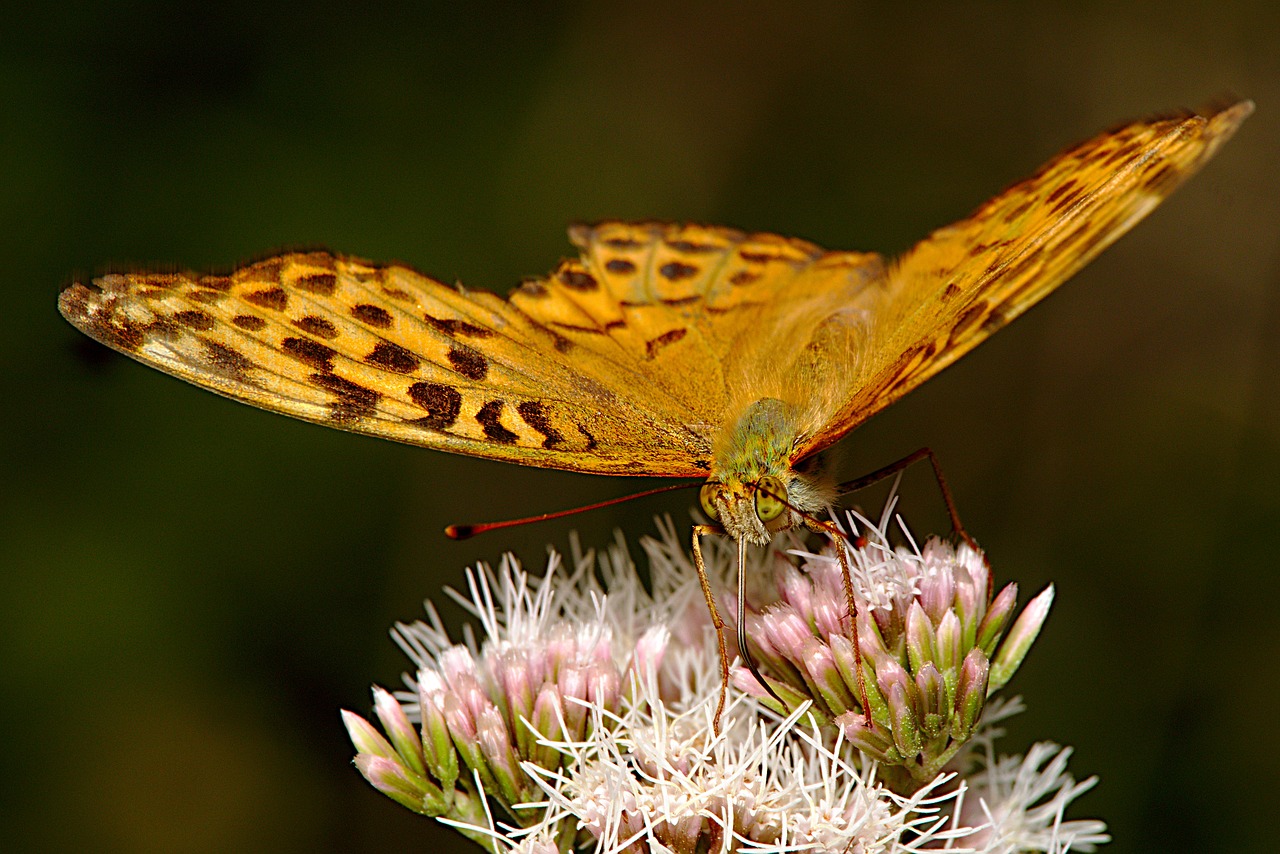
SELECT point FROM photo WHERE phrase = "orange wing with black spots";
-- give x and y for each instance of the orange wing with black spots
(963, 282)
(639, 356)
(388, 352)
(612, 364)
(706, 315)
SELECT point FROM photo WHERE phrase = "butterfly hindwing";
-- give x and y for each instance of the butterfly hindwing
(711, 316)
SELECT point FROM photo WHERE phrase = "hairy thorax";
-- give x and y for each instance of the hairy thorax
(754, 490)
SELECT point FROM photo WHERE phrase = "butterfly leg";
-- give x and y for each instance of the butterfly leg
(698, 532)
(839, 540)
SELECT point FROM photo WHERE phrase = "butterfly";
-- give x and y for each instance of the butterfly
(670, 350)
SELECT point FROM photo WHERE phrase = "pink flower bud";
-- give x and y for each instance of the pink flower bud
(993, 624)
(920, 641)
(366, 738)
(947, 642)
(971, 692)
(1024, 632)
(401, 733)
(937, 591)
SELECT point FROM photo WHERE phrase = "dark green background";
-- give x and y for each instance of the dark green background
(190, 589)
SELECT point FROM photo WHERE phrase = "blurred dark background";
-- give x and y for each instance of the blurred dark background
(191, 589)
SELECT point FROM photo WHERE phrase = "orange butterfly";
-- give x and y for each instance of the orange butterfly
(665, 350)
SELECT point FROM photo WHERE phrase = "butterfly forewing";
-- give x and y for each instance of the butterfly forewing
(965, 281)
(384, 351)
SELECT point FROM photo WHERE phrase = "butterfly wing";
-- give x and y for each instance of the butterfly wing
(386, 351)
(712, 314)
(613, 364)
(965, 281)
(633, 358)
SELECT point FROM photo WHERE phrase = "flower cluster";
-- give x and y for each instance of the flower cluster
(487, 711)
(582, 718)
(932, 642)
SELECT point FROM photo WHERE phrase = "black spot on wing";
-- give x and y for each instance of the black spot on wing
(353, 400)
(995, 320)
(453, 327)
(489, 418)
(273, 298)
(310, 352)
(968, 319)
(372, 315)
(194, 319)
(535, 415)
(756, 257)
(1162, 179)
(654, 345)
(468, 362)
(1065, 188)
(317, 326)
(264, 271)
(1016, 213)
(689, 247)
(1062, 200)
(320, 284)
(225, 361)
(675, 270)
(393, 357)
(532, 288)
(578, 280)
(443, 404)
(216, 283)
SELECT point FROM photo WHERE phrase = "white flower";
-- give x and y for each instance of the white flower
(580, 717)
(1022, 801)
(659, 780)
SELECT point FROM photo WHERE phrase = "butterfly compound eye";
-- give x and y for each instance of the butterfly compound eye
(769, 491)
(708, 492)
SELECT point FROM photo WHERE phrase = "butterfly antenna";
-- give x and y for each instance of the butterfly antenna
(464, 532)
(743, 651)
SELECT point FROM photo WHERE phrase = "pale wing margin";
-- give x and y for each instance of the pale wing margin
(965, 281)
(388, 352)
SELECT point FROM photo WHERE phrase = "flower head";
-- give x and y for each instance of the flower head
(930, 635)
(581, 717)
(552, 650)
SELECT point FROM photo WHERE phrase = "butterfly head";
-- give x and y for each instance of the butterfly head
(751, 511)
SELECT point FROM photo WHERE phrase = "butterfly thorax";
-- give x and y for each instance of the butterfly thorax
(754, 490)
